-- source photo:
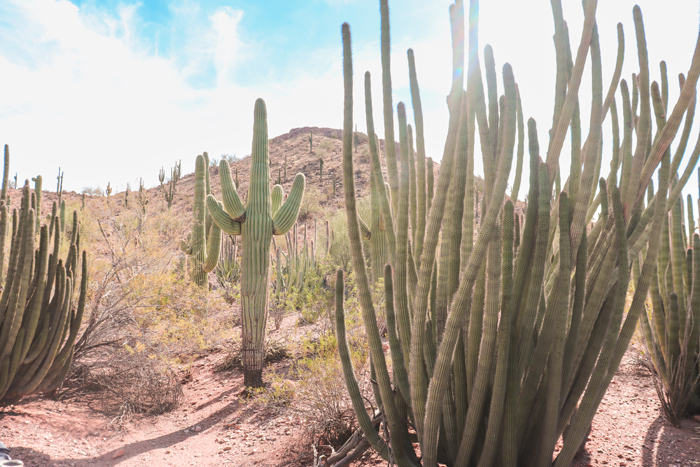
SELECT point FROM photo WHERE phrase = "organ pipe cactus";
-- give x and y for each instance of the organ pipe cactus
(40, 319)
(204, 251)
(671, 332)
(529, 338)
(256, 223)
(299, 259)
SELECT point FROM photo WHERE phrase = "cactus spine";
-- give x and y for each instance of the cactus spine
(559, 299)
(256, 224)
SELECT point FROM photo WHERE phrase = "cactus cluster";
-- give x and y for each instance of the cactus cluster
(504, 336)
(263, 216)
(300, 257)
(672, 331)
(228, 267)
(39, 318)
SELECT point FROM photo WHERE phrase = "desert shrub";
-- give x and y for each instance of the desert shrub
(314, 300)
(143, 318)
(310, 205)
(131, 381)
(92, 191)
(320, 400)
(340, 242)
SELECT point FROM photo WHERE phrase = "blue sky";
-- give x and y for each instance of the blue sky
(113, 90)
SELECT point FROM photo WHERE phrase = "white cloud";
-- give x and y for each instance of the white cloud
(90, 96)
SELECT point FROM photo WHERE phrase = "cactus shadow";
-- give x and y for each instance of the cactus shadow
(30, 457)
(133, 449)
(648, 458)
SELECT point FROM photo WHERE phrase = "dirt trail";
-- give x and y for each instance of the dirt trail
(217, 426)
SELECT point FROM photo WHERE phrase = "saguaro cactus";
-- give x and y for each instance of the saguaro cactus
(256, 223)
(169, 191)
(204, 252)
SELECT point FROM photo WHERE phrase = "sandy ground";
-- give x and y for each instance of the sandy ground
(217, 426)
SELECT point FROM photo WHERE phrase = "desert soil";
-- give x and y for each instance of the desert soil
(217, 426)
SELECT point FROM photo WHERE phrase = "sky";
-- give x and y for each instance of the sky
(111, 91)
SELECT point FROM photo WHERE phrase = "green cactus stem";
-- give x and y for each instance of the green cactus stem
(59, 185)
(37, 190)
(6, 175)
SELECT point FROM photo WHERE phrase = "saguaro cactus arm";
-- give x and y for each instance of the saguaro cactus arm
(213, 247)
(276, 197)
(232, 202)
(221, 218)
(286, 216)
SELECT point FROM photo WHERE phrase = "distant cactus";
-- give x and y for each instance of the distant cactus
(169, 192)
(37, 191)
(108, 191)
(204, 251)
(320, 170)
(59, 185)
(142, 199)
(311, 145)
(6, 175)
(256, 223)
